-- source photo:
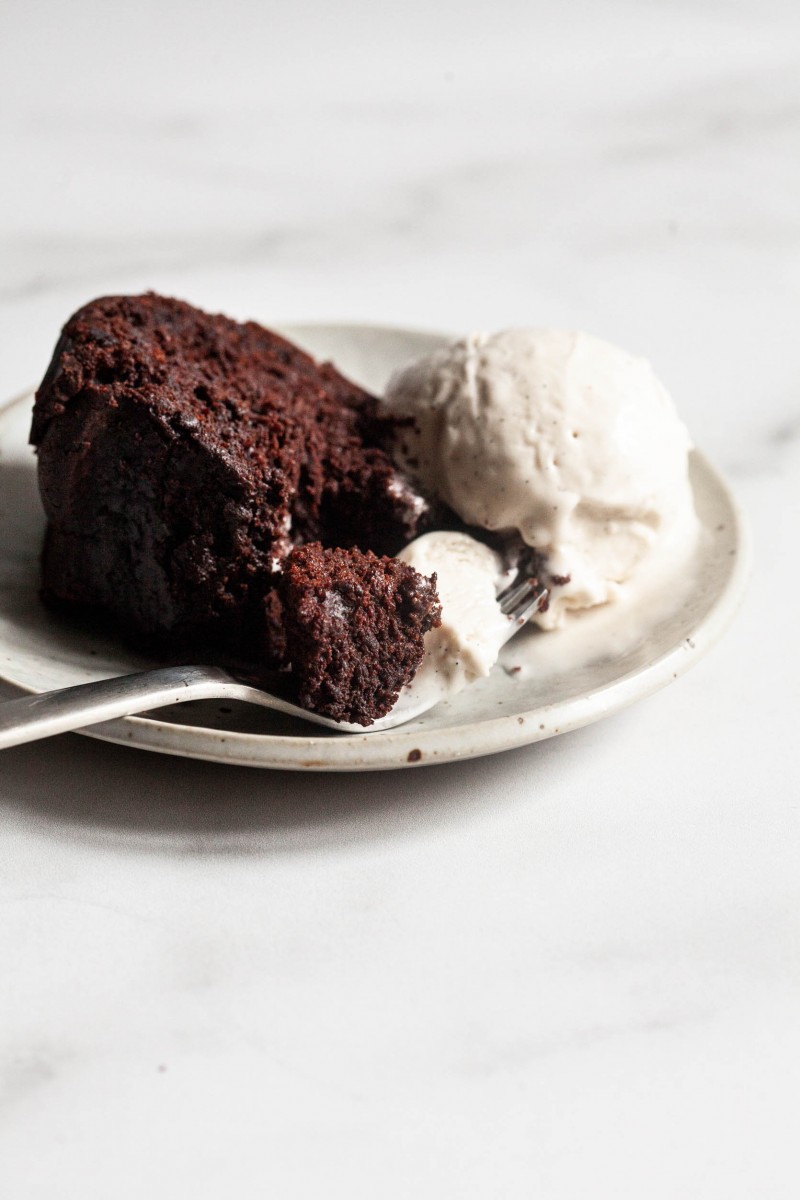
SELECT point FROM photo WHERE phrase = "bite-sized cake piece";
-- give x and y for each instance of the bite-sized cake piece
(183, 455)
(352, 626)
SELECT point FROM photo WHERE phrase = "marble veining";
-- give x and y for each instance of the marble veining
(568, 971)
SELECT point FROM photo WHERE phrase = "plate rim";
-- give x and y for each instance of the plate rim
(402, 748)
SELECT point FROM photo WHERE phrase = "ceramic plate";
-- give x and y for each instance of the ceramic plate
(545, 684)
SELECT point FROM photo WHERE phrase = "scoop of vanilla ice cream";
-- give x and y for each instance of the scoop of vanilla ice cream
(561, 437)
(467, 643)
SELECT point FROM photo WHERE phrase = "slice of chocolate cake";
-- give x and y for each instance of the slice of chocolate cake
(352, 627)
(181, 458)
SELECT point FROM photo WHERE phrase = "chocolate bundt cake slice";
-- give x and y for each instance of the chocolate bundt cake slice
(182, 456)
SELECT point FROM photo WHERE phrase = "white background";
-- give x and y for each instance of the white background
(568, 971)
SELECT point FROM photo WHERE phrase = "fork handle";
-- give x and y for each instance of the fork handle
(49, 713)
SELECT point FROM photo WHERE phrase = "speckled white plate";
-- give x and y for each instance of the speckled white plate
(545, 684)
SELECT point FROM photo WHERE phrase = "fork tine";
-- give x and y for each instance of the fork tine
(521, 600)
(509, 597)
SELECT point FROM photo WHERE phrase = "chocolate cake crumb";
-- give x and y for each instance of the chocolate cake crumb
(353, 627)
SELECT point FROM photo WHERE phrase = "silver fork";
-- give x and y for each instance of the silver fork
(48, 713)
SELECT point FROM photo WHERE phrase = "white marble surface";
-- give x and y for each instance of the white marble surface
(568, 971)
